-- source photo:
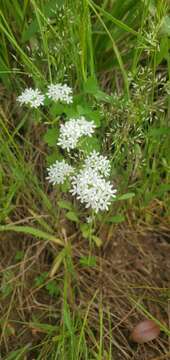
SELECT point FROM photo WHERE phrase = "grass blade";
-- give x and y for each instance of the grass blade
(31, 231)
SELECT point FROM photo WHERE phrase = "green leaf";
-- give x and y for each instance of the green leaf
(126, 196)
(19, 255)
(94, 116)
(97, 241)
(89, 261)
(71, 111)
(63, 204)
(57, 109)
(31, 231)
(51, 136)
(52, 288)
(91, 86)
(72, 216)
(89, 144)
(86, 230)
(40, 279)
(51, 159)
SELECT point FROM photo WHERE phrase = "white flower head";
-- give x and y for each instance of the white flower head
(98, 162)
(58, 172)
(31, 97)
(93, 190)
(72, 130)
(59, 92)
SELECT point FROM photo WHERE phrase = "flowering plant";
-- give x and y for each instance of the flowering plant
(77, 164)
(89, 184)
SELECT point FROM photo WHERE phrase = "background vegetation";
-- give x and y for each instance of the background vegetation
(57, 300)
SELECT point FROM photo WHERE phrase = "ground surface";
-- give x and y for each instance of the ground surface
(132, 268)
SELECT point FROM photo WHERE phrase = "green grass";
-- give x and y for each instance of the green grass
(120, 75)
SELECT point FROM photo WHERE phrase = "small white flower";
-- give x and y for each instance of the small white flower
(59, 92)
(31, 97)
(89, 219)
(72, 130)
(58, 172)
(93, 190)
(99, 163)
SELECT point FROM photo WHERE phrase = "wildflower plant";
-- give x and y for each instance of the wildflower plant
(80, 164)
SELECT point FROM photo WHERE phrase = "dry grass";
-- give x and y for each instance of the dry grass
(131, 275)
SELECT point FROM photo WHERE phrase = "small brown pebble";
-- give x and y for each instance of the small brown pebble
(145, 331)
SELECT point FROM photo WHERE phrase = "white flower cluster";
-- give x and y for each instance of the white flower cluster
(72, 130)
(89, 185)
(31, 97)
(92, 189)
(56, 92)
(58, 172)
(59, 92)
(98, 163)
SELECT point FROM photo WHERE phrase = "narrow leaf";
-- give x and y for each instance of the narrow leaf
(31, 231)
